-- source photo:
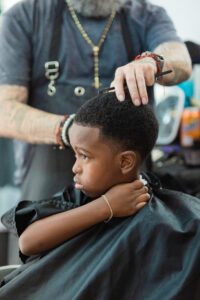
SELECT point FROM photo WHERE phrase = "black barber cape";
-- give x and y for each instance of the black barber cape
(153, 255)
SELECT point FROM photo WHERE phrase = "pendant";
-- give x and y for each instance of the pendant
(96, 83)
(95, 50)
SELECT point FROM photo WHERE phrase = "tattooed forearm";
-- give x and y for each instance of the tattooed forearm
(14, 92)
(179, 74)
(20, 121)
(177, 59)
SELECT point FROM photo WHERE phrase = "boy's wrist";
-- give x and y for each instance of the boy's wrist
(101, 210)
(105, 198)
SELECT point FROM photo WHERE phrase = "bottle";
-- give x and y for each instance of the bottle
(190, 135)
(190, 127)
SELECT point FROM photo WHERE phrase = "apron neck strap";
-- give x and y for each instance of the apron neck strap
(56, 33)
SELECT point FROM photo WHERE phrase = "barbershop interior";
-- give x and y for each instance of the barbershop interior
(156, 62)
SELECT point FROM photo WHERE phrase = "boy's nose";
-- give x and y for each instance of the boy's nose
(76, 168)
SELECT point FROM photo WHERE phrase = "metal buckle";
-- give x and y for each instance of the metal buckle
(51, 73)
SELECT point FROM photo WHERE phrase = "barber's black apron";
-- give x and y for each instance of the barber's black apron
(50, 169)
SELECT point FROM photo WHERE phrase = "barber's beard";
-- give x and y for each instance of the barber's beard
(97, 8)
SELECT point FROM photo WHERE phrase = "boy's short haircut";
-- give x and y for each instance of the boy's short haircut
(131, 127)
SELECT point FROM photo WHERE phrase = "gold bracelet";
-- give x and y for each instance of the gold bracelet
(111, 211)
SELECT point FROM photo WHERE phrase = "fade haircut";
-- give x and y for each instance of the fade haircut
(131, 127)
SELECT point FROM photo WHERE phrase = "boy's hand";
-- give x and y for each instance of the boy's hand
(126, 199)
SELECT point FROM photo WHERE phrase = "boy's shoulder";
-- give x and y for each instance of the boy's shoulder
(171, 204)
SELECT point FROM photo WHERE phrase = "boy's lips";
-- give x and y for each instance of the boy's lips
(78, 185)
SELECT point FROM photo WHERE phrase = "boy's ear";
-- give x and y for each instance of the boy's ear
(128, 161)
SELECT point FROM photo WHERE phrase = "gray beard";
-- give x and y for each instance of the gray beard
(97, 8)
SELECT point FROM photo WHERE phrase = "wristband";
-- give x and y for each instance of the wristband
(157, 58)
(58, 133)
(65, 128)
(62, 137)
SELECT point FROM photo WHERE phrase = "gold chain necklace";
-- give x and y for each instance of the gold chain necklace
(95, 48)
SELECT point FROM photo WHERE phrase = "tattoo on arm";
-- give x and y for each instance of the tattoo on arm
(14, 92)
(19, 120)
(176, 58)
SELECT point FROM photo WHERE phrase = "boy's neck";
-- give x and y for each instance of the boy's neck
(134, 175)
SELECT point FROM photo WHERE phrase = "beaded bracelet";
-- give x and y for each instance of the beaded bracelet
(64, 132)
(111, 211)
(157, 58)
(62, 137)
(58, 133)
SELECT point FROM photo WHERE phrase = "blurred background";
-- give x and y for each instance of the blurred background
(178, 110)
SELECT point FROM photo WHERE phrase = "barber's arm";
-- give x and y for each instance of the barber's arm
(17, 118)
(20, 121)
(140, 73)
(177, 59)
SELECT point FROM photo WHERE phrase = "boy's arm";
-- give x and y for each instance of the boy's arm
(47, 233)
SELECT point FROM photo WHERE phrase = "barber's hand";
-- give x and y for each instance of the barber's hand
(126, 199)
(137, 75)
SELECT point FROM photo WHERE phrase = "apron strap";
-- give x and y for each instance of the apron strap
(52, 66)
(56, 34)
(138, 47)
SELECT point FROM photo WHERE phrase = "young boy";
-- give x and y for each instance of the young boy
(152, 255)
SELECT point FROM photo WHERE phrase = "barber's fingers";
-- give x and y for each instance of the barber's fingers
(145, 70)
(132, 75)
(133, 90)
(137, 75)
(126, 74)
(149, 77)
(132, 84)
(118, 83)
(141, 85)
(145, 76)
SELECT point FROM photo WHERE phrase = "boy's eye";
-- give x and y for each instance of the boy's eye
(81, 156)
(84, 157)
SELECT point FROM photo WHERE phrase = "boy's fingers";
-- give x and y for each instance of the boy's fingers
(140, 205)
(140, 191)
(137, 184)
(143, 198)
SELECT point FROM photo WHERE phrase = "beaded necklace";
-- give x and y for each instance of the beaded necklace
(95, 48)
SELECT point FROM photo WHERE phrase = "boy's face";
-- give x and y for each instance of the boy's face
(97, 166)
